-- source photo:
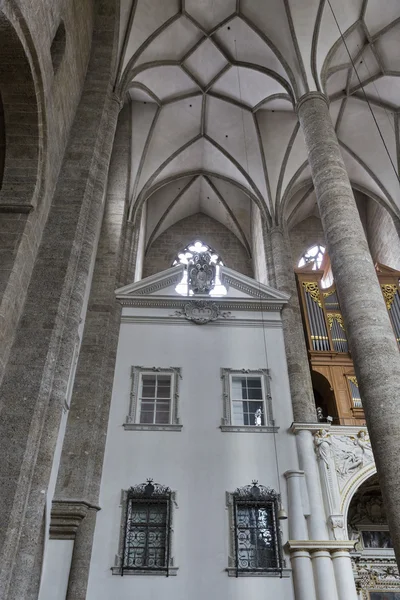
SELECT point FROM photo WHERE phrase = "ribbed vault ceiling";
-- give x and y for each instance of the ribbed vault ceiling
(213, 84)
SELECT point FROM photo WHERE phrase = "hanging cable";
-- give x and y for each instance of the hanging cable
(376, 89)
(364, 93)
(261, 305)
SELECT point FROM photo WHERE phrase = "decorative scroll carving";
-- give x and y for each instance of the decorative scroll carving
(329, 292)
(255, 491)
(335, 317)
(351, 455)
(312, 288)
(389, 291)
(202, 312)
(337, 525)
(201, 273)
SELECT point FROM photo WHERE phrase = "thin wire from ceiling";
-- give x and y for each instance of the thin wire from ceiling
(364, 93)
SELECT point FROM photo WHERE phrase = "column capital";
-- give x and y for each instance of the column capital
(66, 516)
(293, 473)
(311, 96)
(276, 229)
(321, 545)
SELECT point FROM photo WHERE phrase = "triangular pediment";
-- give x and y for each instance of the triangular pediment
(163, 284)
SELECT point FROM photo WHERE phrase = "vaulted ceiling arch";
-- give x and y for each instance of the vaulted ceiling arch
(213, 85)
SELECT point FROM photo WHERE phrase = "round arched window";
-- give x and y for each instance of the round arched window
(314, 254)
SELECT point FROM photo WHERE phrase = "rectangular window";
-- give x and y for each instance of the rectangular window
(247, 401)
(256, 547)
(255, 535)
(155, 399)
(145, 535)
(248, 405)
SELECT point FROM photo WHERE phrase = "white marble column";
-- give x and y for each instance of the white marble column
(303, 578)
(345, 584)
(325, 582)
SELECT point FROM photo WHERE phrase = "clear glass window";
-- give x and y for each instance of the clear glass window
(248, 403)
(155, 398)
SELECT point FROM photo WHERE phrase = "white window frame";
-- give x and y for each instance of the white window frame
(133, 418)
(226, 422)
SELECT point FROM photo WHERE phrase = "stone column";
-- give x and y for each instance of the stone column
(84, 444)
(303, 579)
(325, 583)
(36, 379)
(296, 352)
(344, 575)
(373, 346)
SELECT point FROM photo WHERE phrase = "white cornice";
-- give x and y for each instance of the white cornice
(146, 293)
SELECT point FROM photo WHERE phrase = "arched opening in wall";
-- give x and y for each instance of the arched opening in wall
(57, 48)
(21, 131)
(324, 397)
(2, 141)
(191, 257)
(367, 526)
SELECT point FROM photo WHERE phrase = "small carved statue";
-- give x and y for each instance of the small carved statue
(323, 442)
(320, 414)
(258, 417)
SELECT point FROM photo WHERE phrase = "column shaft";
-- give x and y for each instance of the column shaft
(325, 583)
(344, 575)
(296, 353)
(373, 346)
(83, 450)
(303, 578)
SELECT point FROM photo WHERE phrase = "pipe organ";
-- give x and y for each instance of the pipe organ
(335, 384)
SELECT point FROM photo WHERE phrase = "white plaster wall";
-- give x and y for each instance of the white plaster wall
(200, 463)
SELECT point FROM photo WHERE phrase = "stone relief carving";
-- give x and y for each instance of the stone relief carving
(323, 443)
(202, 312)
(201, 273)
(376, 574)
(350, 455)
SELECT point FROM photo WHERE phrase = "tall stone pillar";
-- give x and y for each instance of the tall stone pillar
(84, 443)
(35, 383)
(296, 353)
(372, 344)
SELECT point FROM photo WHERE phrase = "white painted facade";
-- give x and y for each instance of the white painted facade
(200, 462)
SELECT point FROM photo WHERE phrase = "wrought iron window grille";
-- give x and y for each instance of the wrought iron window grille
(257, 543)
(146, 542)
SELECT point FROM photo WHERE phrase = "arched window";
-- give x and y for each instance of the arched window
(314, 254)
(317, 255)
(184, 258)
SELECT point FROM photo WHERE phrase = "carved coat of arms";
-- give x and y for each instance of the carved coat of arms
(201, 273)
